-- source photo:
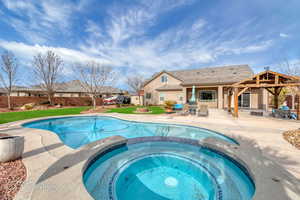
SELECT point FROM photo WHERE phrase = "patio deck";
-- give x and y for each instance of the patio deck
(261, 142)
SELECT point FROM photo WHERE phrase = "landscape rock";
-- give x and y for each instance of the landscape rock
(28, 106)
(293, 137)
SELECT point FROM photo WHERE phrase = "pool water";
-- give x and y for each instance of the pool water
(78, 131)
(164, 176)
(162, 170)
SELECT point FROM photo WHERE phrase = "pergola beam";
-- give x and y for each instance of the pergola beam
(268, 89)
(266, 85)
(242, 91)
(267, 80)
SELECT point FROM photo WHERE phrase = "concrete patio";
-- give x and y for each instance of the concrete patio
(54, 169)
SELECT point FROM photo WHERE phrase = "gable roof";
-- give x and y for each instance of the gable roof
(155, 75)
(214, 75)
(209, 75)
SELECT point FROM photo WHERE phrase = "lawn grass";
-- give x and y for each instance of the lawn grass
(131, 110)
(15, 116)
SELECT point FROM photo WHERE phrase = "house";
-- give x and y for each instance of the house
(137, 98)
(66, 89)
(212, 85)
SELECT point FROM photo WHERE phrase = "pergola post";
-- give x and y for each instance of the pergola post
(298, 109)
(229, 101)
(293, 101)
(276, 101)
(236, 102)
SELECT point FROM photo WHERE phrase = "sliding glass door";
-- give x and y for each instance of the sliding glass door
(244, 100)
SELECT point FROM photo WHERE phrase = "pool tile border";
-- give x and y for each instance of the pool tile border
(266, 187)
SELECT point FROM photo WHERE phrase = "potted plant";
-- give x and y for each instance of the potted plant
(169, 106)
(11, 148)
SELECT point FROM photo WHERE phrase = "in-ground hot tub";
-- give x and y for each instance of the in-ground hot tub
(152, 169)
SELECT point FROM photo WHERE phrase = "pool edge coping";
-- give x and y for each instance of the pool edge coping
(261, 176)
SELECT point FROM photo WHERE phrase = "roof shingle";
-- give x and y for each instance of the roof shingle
(214, 75)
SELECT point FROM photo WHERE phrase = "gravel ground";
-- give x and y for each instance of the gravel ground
(293, 137)
(12, 175)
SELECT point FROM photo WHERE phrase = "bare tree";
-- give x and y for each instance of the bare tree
(135, 84)
(292, 69)
(94, 77)
(47, 69)
(8, 74)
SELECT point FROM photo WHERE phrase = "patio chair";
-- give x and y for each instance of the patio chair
(278, 113)
(203, 111)
(185, 110)
(282, 112)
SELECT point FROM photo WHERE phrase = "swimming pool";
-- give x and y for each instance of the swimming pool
(165, 170)
(80, 130)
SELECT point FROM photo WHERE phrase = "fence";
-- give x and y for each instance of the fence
(64, 101)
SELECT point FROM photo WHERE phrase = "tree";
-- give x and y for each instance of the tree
(47, 69)
(8, 74)
(292, 69)
(94, 77)
(135, 84)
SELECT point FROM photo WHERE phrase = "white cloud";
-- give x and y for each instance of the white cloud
(18, 5)
(124, 38)
(27, 52)
(283, 35)
(37, 21)
(187, 44)
(230, 48)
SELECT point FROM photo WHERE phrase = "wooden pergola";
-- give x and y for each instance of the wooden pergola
(273, 82)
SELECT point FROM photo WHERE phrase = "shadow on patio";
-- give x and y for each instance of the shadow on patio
(42, 150)
(287, 183)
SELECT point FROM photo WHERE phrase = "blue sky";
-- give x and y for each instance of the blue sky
(147, 36)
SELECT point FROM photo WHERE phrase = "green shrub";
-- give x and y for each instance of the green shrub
(45, 103)
(88, 102)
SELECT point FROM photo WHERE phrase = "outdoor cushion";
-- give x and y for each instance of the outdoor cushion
(178, 106)
(285, 108)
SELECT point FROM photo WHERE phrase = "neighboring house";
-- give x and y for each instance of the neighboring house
(137, 98)
(66, 89)
(211, 87)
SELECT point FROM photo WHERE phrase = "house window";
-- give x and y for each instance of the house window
(148, 95)
(164, 79)
(180, 98)
(207, 95)
(162, 97)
